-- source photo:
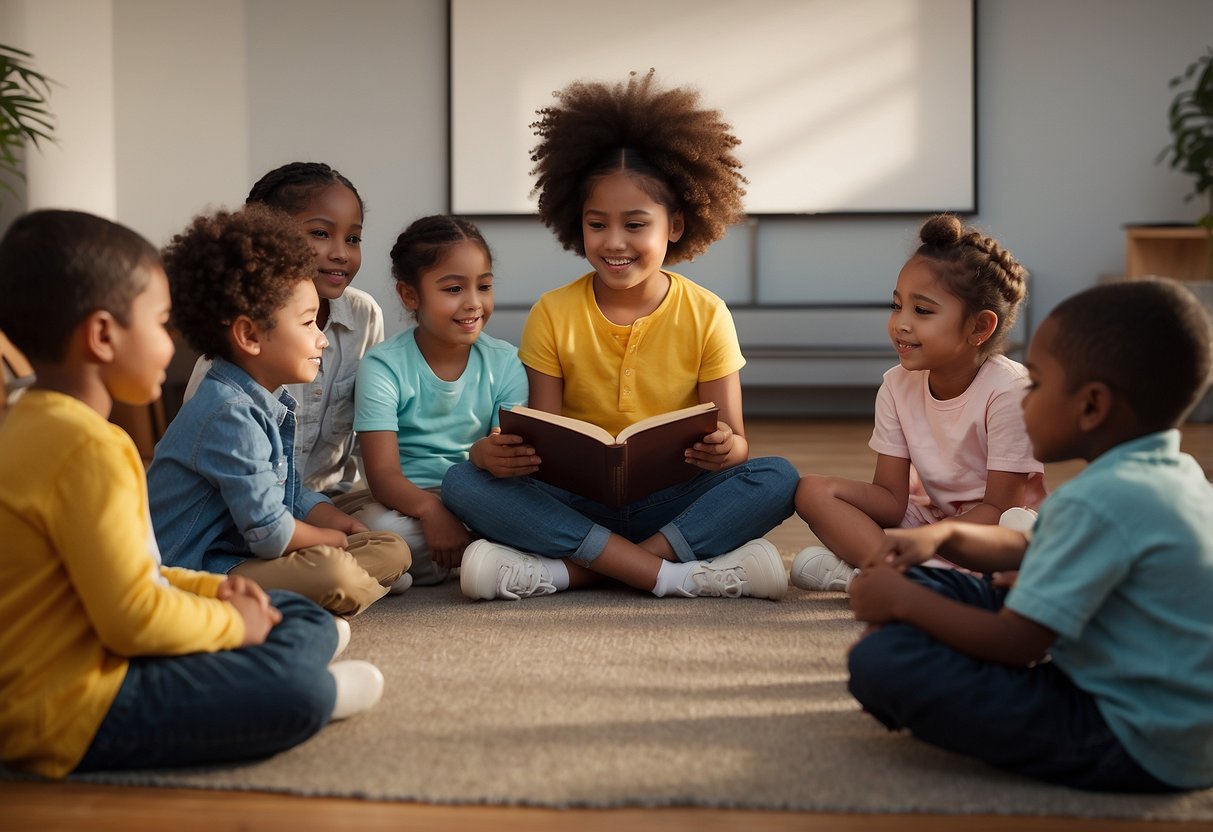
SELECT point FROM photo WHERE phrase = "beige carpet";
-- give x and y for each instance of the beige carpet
(610, 698)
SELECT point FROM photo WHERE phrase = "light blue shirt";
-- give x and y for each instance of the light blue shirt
(1121, 568)
(223, 484)
(435, 421)
(325, 450)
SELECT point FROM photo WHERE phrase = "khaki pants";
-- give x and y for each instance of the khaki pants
(343, 581)
(362, 505)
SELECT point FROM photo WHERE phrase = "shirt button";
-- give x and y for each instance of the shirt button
(627, 372)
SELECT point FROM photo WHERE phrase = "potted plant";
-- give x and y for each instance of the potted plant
(1191, 121)
(24, 115)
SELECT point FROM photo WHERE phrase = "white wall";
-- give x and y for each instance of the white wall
(1072, 99)
(72, 41)
(181, 110)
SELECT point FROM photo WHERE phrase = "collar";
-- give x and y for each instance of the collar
(1162, 446)
(341, 312)
(277, 405)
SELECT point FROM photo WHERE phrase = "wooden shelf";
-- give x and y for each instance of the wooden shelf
(1181, 252)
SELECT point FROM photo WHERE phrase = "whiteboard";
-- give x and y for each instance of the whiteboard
(842, 106)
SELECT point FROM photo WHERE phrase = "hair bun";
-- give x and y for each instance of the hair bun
(942, 230)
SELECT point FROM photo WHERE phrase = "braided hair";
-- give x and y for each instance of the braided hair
(681, 156)
(291, 186)
(977, 269)
(420, 246)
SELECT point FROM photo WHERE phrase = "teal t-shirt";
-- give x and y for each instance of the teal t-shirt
(435, 421)
(1121, 568)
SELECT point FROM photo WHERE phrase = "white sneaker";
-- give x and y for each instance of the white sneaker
(343, 635)
(1022, 520)
(754, 570)
(359, 686)
(401, 584)
(819, 569)
(494, 570)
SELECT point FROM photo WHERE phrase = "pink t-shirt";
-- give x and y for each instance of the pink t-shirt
(952, 444)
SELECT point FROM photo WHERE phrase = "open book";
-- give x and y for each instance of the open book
(614, 470)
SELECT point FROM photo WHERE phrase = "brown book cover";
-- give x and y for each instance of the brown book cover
(646, 456)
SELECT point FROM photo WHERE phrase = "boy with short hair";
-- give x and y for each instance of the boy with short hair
(226, 494)
(1095, 670)
(109, 660)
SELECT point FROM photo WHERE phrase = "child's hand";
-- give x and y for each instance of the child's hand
(712, 454)
(875, 592)
(349, 524)
(504, 455)
(446, 535)
(328, 516)
(234, 585)
(904, 548)
(259, 618)
(1004, 580)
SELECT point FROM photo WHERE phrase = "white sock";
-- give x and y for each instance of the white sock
(671, 578)
(558, 572)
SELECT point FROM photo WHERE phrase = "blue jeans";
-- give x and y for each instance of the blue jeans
(713, 513)
(225, 706)
(1030, 720)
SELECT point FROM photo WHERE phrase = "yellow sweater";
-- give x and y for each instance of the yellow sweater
(81, 588)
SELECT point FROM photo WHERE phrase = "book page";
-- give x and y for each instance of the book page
(576, 425)
(661, 419)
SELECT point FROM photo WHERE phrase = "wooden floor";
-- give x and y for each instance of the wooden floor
(838, 447)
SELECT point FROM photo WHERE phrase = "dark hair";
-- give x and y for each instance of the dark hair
(420, 246)
(1149, 340)
(680, 154)
(59, 267)
(229, 264)
(976, 269)
(291, 186)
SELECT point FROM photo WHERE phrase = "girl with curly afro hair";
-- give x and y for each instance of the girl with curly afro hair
(632, 177)
(949, 436)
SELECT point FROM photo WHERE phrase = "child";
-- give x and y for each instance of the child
(429, 397)
(109, 660)
(632, 177)
(226, 495)
(1114, 586)
(329, 210)
(949, 434)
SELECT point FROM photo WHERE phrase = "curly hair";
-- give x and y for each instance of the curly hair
(681, 155)
(229, 264)
(977, 269)
(293, 185)
(1161, 369)
(59, 267)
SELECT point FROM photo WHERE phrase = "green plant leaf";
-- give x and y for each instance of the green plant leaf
(25, 116)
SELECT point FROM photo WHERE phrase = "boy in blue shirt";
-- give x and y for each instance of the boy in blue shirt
(1095, 670)
(226, 495)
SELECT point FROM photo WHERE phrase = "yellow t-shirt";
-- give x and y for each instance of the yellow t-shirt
(81, 587)
(616, 375)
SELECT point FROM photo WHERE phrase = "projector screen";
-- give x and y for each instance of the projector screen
(842, 106)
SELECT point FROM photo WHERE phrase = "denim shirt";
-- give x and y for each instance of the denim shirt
(326, 449)
(223, 484)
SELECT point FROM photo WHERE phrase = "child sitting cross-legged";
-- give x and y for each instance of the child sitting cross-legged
(1114, 585)
(226, 494)
(109, 660)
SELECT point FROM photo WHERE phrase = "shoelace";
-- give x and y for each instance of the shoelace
(721, 583)
(522, 578)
